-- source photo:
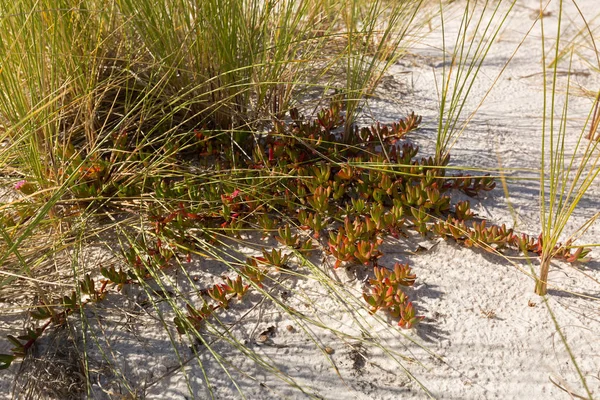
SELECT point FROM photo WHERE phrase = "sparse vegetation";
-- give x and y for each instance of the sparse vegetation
(173, 132)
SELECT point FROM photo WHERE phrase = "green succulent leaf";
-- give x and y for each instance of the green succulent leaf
(6, 360)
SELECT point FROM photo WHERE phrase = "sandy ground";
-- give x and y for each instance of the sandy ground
(486, 334)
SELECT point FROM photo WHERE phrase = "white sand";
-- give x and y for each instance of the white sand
(486, 334)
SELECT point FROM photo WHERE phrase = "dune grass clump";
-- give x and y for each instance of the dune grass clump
(564, 178)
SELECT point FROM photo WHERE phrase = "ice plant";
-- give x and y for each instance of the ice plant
(385, 292)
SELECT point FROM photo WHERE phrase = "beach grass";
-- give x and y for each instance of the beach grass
(170, 136)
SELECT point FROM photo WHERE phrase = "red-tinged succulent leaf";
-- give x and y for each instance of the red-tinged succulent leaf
(370, 300)
(227, 288)
(218, 294)
(400, 298)
(578, 255)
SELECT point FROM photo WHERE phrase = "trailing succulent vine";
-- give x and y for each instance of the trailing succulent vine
(302, 184)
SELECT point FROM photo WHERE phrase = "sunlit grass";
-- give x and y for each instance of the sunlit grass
(102, 104)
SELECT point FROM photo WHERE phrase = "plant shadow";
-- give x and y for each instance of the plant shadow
(430, 333)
